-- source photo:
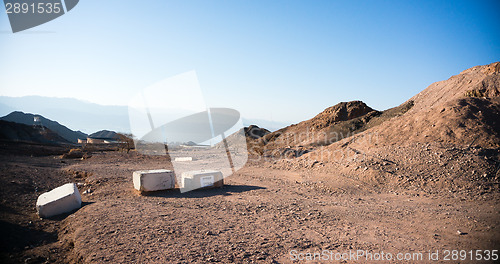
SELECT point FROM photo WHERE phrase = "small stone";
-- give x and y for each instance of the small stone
(460, 233)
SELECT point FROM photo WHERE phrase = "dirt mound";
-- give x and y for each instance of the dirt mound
(479, 81)
(463, 122)
(449, 113)
(448, 141)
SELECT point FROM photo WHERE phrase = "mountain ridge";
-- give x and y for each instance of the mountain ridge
(89, 117)
(61, 130)
(12, 131)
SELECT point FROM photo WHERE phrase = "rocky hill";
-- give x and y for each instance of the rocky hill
(11, 131)
(333, 124)
(251, 135)
(105, 134)
(28, 119)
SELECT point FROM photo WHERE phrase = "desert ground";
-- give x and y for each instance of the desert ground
(260, 215)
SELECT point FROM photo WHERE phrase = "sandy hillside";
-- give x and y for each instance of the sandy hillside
(447, 142)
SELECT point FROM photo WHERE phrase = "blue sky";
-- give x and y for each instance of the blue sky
(274, 60)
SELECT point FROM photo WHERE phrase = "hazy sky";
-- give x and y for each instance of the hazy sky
(279, 60)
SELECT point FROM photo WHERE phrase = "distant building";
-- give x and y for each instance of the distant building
(95, 141)
(37, 123)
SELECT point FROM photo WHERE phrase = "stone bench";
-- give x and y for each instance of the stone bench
(183, 159)
(192, 180)
(60, 200)
(153, 180)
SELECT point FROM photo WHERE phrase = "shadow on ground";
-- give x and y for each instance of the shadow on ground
(16, 237)
(201, 193)
(61, 217)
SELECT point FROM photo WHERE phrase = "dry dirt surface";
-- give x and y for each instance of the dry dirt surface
(260, 215)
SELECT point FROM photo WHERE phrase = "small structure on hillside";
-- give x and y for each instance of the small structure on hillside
(37, 123)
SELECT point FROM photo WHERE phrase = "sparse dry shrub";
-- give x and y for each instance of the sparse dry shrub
(73, 154)
(474, 93)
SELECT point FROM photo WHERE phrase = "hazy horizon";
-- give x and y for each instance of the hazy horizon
(90, 117)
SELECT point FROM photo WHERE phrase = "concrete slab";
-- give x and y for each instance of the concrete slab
(192, 180)
(60, 200)
(153, 180)
(183, 159)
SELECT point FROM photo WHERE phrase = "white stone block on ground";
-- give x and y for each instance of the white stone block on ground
(191, 180)
(184, 159)
(60, 200)
(153, 180)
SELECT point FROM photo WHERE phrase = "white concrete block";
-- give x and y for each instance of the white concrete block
(184, 159)
(192, 180)
(62, 199)
(153, 180)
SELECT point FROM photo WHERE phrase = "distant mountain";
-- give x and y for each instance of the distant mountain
(28, 119)
(270, 125)
(19, 132)
(75, 114)
(89, 117)
(5, 109)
